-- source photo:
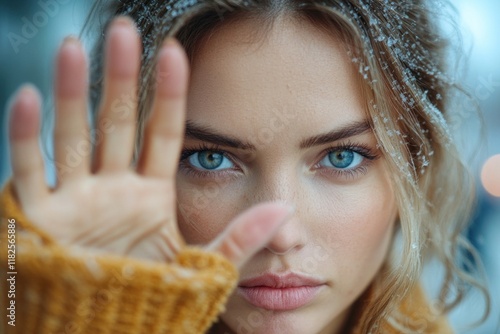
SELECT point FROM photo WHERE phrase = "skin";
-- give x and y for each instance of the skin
(342, 225)
(296, 83)
(103, 204)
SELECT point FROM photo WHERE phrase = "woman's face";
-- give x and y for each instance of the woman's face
(281, 117)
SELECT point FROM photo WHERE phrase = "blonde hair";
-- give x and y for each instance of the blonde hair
(398, 52)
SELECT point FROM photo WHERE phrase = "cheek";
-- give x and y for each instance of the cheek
(358, 230)
(370, 232)
(204, 210)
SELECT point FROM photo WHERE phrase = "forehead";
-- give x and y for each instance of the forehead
(243, 77)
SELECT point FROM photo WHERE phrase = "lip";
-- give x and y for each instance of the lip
(280, 292)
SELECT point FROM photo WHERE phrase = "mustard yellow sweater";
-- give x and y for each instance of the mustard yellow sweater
(51, 289)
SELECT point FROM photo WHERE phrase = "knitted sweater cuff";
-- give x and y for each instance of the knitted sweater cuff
(60, 289)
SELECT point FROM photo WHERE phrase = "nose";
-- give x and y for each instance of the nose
(291, 235)
(289, 238)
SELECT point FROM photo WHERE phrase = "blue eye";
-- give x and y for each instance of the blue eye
(342, 159)
(209, 160)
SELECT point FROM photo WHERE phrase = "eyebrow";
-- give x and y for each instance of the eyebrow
(205, 133)
(349, 130)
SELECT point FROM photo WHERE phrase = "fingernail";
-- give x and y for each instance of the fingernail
(24, 103)
(169, 42)
(122, 23)
(27, 88)
(71, 39)
(70, 43)
(168, 47)
(123, 20)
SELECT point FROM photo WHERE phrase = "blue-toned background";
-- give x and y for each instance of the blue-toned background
(26, 55)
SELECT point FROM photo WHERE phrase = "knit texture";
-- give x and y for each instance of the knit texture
(71, 290)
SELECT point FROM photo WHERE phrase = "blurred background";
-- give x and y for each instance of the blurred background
(31, 31)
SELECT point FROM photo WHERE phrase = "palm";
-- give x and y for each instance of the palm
(124, 214)
(103, 203)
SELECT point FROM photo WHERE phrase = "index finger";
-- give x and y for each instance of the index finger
(165, 130)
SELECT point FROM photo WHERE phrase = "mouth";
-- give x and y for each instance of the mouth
(280, 292)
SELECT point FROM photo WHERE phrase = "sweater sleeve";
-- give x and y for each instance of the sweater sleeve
(50, 288)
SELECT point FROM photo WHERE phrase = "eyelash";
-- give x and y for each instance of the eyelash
(192, 171)
(368, 157)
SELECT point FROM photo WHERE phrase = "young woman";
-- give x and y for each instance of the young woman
(322, 121)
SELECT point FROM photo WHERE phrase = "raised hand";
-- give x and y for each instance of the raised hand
(100, 201)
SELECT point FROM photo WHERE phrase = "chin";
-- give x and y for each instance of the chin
(254, 320)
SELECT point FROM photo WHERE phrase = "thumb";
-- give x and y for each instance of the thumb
(251, 231)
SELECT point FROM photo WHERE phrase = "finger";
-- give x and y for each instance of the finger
(163, 250)
(165, 130)
(117, 116)
(251, 231)
(171, 238)
(71, 131)
(26, 158)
